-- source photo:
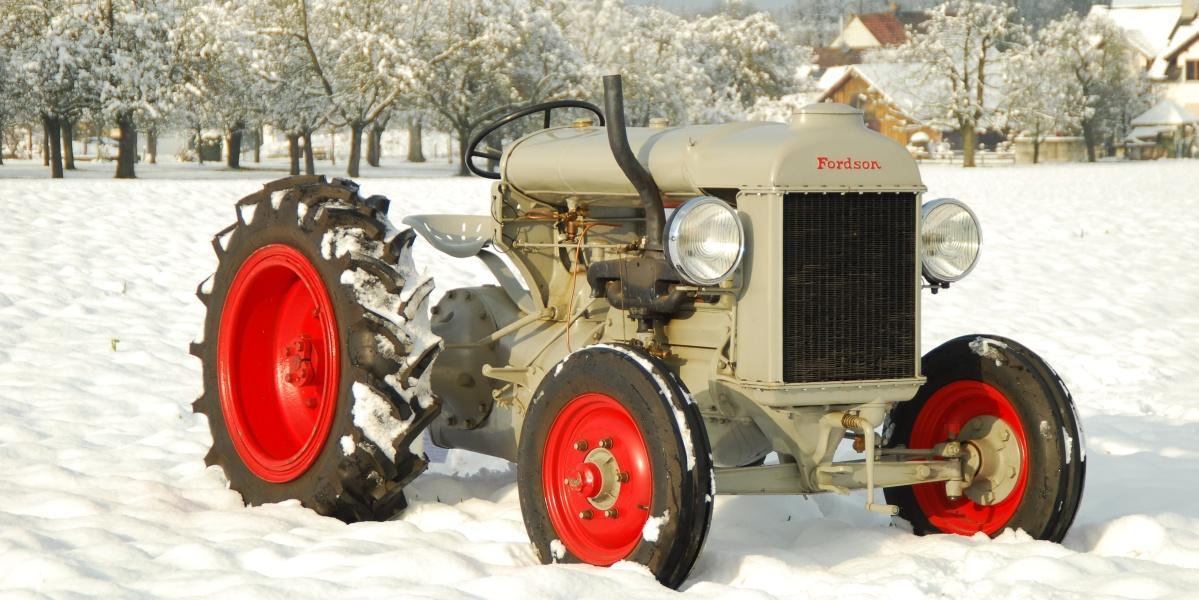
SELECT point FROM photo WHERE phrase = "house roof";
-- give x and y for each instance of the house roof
(904, 85)
(885, 27)
(1148, 25)
(1166, 112)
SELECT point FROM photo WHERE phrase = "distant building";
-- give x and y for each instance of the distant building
(884, 93)
(878, 30)
(1165, 34)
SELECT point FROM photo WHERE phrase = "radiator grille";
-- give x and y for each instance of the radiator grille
(849, 287)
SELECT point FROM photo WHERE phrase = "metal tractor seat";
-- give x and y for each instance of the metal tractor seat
(464, 236)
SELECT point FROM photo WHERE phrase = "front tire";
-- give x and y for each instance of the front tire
(1010, 410)
(315, 345)
(613, 430)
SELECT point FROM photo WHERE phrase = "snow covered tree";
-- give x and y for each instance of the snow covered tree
(1034, 103)
(137, 74)
(359, 51)
(483, 57)
(747, 58)
(52, 56)
(1096, 74)
(958, 46)
(217, 56)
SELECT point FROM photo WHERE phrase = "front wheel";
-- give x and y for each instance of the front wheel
(1019, 434)
(614, 465)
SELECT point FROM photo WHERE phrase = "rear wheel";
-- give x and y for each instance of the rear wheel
(614, 465)
(1019, 434)
(312, 356)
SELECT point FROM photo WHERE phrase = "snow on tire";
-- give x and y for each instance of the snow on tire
(316, 351)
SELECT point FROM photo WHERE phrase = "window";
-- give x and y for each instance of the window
(1192, 70)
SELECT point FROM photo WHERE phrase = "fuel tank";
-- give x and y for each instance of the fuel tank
(823, 147)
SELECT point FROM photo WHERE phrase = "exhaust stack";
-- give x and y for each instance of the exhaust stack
(639, 176)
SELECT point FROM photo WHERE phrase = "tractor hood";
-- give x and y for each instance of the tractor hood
(824, 147)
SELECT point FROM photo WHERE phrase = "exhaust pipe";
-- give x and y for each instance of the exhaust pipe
(639, 176)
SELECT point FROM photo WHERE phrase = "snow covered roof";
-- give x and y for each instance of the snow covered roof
(1148, 24)
(1166, 112)
(885, 27)
(905, 85)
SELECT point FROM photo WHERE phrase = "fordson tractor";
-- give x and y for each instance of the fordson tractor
(670, 306)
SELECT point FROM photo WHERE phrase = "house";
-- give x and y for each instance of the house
(1165, 33)
(877, 30)
(884, 93)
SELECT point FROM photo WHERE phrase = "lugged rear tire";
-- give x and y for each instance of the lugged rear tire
(329, 417)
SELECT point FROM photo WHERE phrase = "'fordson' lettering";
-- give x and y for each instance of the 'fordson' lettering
(846, 164)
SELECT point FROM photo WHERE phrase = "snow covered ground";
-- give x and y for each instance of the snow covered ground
(104, 492)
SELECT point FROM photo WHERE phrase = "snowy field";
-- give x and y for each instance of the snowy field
(104, 492)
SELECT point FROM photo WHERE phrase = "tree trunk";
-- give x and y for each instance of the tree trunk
(309, 160)
(199, 146)
(30, 146)
(373, 138)
(1036, 144)
(45, 143)
(1, 144)
(463, 138)
(355, 148)
(152, 146)
(126, 147)
(968, 144)
(333, 146)
(258, 144)
(68, 144)
(1088, 138)
(293, 154)
(85, 144)
(233, 145)
(416, 154)
(53, 128)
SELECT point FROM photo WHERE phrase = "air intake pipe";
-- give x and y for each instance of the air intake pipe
(639, 176)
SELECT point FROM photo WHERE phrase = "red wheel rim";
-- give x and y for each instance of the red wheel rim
(601, 539)
(941, 419)
(277, 363)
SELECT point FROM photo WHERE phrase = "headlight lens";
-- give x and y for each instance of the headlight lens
(951, 238)
(705, 240)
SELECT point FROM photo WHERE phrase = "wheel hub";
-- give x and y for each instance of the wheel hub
(993, 459)
(597, 479)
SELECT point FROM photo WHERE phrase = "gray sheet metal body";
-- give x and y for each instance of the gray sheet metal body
(824, 147)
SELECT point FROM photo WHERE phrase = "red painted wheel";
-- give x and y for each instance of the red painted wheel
(277, 354)
(614, 464)
(943, 417)
(597, 465)
(1021, 445)
(291, 349)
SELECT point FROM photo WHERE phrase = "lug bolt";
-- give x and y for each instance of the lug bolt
(611, 513)
(1005, 435)
(585, 515)
(622, 477)
(988, 498)
(573, 482)
(922, 471)
(581, 445)
(1011, 472)
(606, 443)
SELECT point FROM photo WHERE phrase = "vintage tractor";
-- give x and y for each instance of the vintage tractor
(671, 305)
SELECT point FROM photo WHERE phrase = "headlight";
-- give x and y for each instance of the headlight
(705, 240)
(951, 239)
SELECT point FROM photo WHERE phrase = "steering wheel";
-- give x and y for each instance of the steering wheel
(473, 151)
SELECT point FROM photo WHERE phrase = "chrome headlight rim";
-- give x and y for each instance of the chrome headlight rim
(674, 225)
(925, 210)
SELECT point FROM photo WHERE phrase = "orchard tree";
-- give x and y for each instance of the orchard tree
(1038, 99)
(360, 53)
(53, 54)
(747, 58)
(217, 55)
(1094, 67)
(483, 57)
(138, 72)
(959, 46)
